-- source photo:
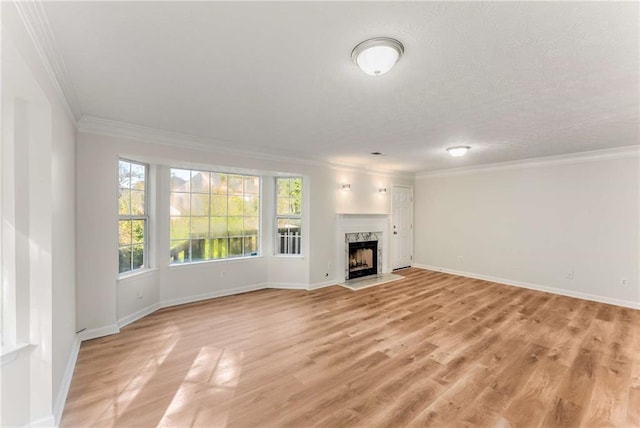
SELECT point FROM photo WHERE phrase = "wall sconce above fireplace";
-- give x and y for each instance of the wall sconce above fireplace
(382, 190)
(346, 187)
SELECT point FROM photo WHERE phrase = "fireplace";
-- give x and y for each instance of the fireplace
(359, 229)
(362, 259)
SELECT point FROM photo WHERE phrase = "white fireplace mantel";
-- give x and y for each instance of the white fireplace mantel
(354, 223)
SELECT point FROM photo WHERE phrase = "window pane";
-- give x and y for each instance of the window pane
(235, 184)
(251, 225)
(235, 226)
(250, 206)
(124, 172)
(296, 195)
(250, 245)
(219, 248)
(180, 204)
(137, 202)
(284, 206)
(124, 233)
(198, 250)
(180, 180)
(199, 227)
(235, 247)
(199, 204)
(199, 182)
(208, 249)
(179, 228)
(178, 251)
(138, 256)
(289, 224)
(251, 185)
(124, 202)
(283, 187)
(235, 205)
(137, 227)
(218, 183)
(218, 227)
(288, 240)
(124, 259)
(218, 205)
(137, 176)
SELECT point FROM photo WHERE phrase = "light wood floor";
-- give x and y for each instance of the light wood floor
(432, 349)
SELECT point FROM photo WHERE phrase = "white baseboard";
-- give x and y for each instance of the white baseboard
(537, 287)
(211, 295)
(300, 286)
(322, 284)
(61, 398)
(94, 333)
(46, 422)
(137, 315)
(287, 285)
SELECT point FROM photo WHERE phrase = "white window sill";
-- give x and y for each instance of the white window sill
(206, 262)
(139, 272)
(10, 353)
(289, 256)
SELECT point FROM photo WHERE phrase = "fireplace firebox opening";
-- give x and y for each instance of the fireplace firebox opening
(363, 259)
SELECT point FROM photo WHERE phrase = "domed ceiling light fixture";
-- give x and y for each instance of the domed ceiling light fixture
(458, 151)
(376, 56)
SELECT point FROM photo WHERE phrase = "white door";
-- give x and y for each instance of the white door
(402, 227)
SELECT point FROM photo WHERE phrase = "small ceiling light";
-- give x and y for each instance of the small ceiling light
(376, 56)
(376, 153)
(458, 151)
(346, 187)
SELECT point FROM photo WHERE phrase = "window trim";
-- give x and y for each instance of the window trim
(145, 217)
(277, 217)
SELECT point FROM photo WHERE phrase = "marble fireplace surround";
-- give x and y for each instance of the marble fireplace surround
(360, 228)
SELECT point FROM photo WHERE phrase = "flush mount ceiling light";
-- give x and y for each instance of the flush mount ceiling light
(376, 56)
(458, 151)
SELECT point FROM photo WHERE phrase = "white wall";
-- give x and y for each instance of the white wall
(535, 225)
(63, 200)
(105, 302)
(38, 258)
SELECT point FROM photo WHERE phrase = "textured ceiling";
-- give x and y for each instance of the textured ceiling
(512, 80)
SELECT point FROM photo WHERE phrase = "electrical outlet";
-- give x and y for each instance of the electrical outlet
(326, 275)
(222, 274)
(624, 282)
(139, 295)
(570, 275)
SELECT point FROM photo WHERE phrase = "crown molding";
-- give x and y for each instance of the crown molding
(369, 171)
(570, 158)
(112, 128)
(37, 25)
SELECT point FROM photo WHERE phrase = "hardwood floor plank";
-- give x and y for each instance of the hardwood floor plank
(431, 349)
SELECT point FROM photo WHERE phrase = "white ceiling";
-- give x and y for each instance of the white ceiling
(512, 80)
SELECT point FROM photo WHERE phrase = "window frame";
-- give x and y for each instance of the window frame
(133, 217)
(175, 263)
(277, 217)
